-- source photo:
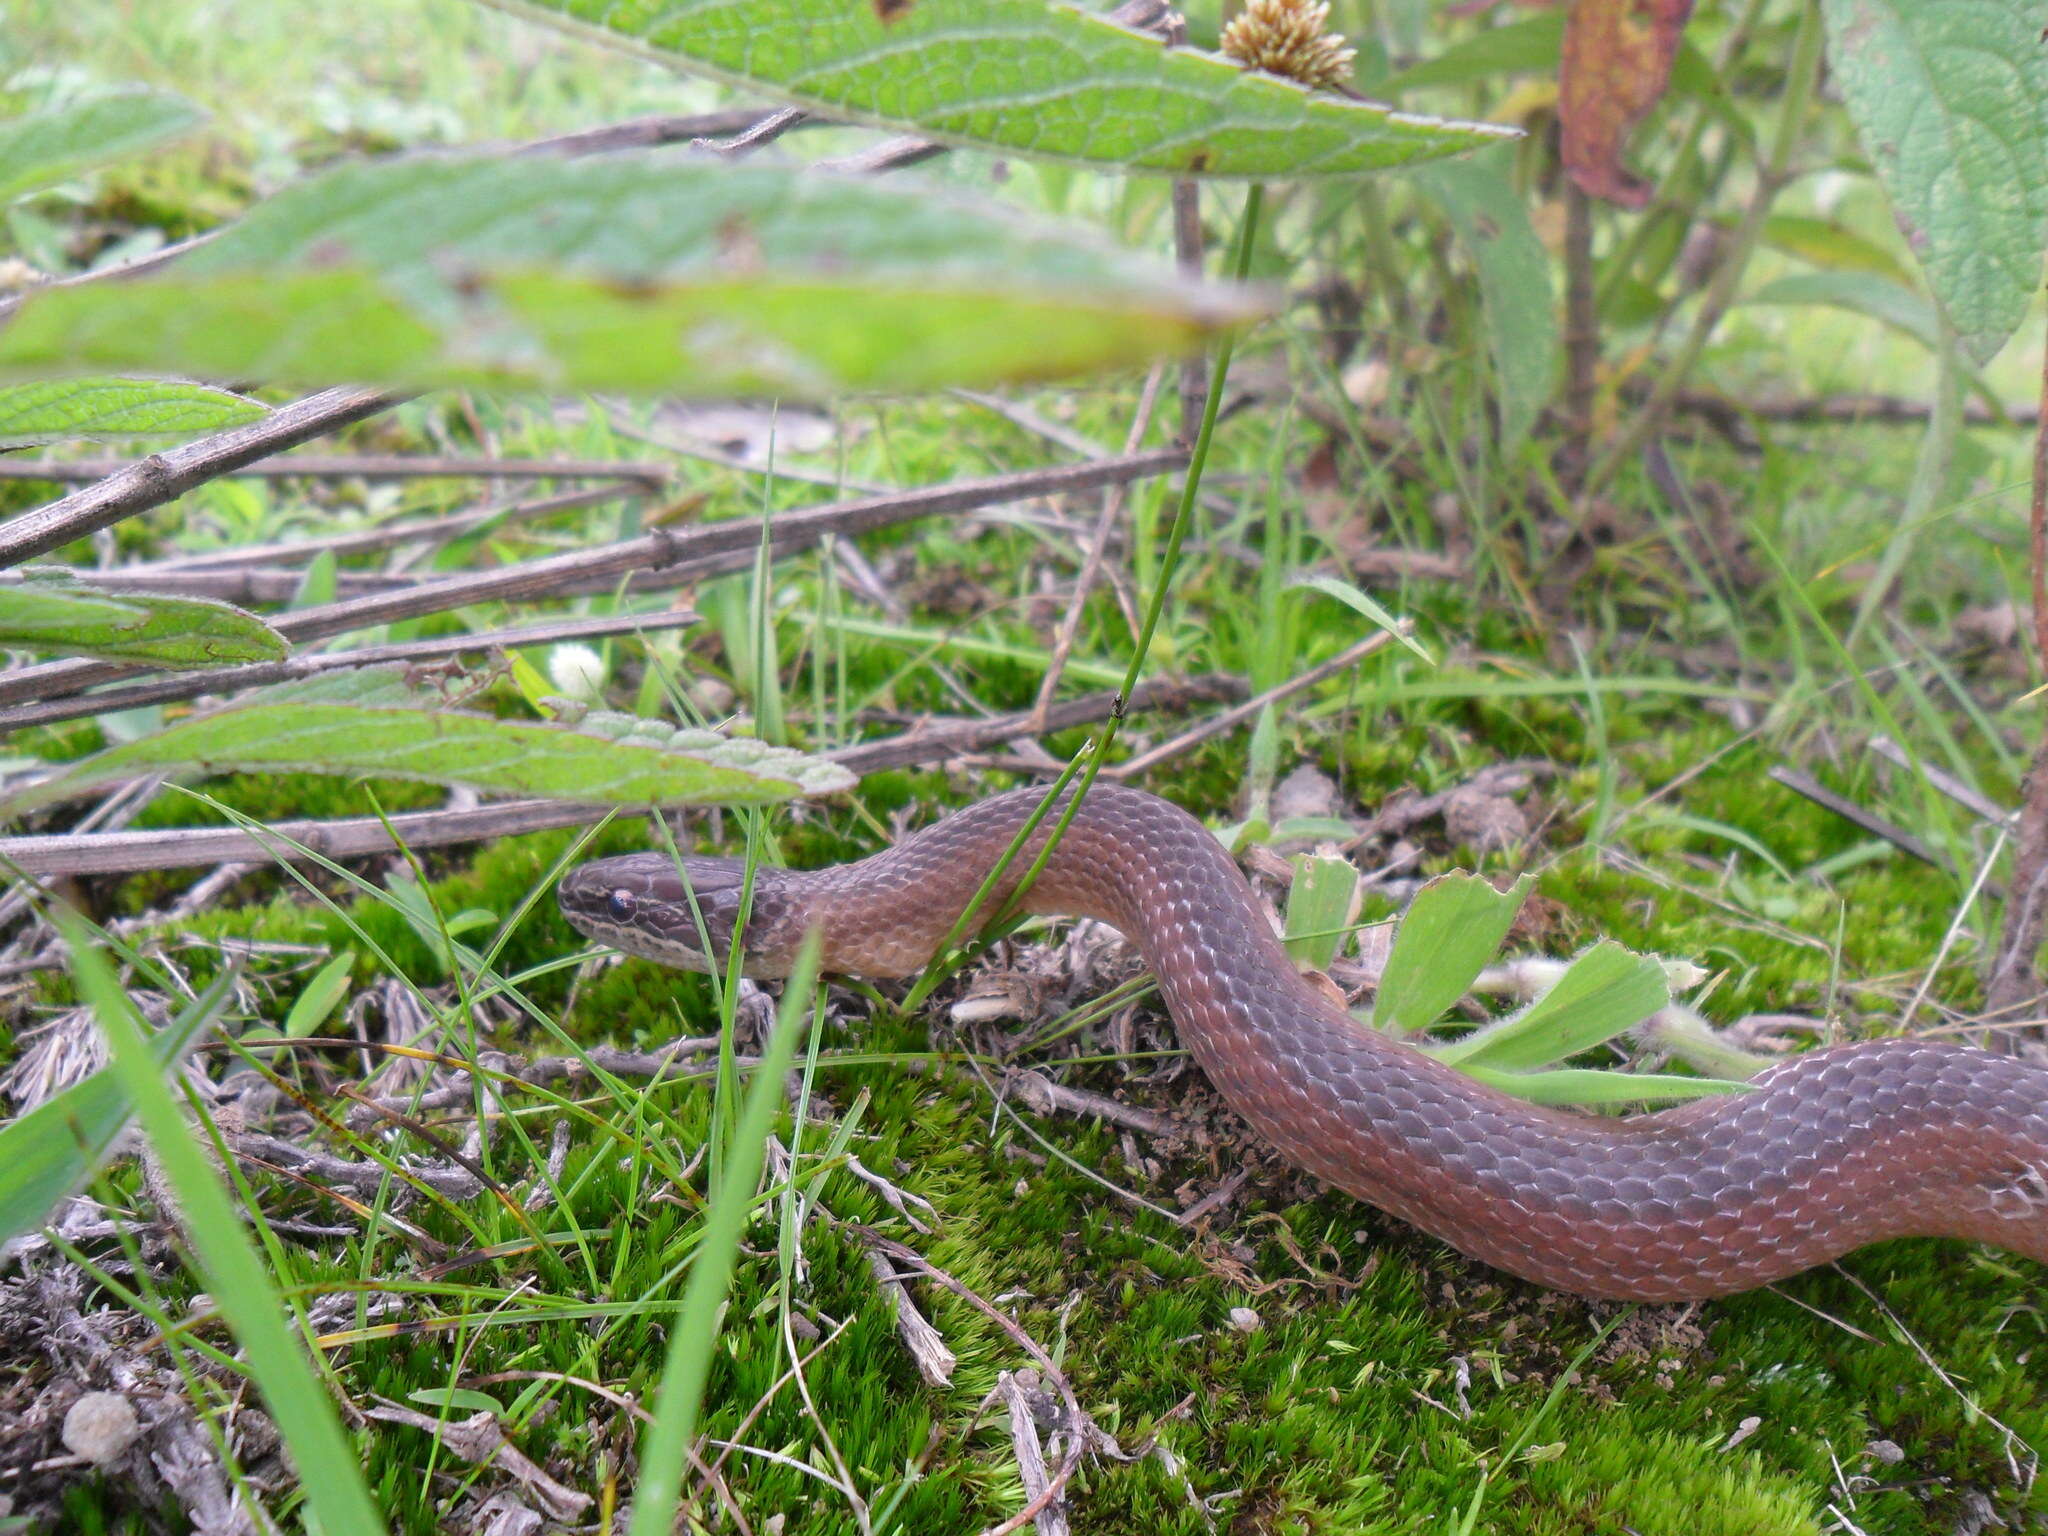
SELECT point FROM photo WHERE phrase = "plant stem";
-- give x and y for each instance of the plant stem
(1930, 474)
(1088, 761)
(2015, 978)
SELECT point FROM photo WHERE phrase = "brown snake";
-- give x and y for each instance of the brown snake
(1825, 1152)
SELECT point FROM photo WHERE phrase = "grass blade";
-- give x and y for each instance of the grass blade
(328, 1464)
(52, 1150)
(1606, 990)
(679, 1402)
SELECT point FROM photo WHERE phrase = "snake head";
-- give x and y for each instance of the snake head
(680, 912)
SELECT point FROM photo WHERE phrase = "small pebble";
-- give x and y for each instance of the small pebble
(1886, 1451)
(1244, 1320)
(100, 1426)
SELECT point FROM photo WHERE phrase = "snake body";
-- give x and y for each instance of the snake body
(1827, 1151)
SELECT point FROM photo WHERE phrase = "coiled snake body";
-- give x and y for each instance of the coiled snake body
(1826, 1152)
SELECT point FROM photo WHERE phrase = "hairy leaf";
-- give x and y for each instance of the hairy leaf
(658, 271)
(1950, 98)
(43, 148)
(70, 617)
(1027, 76)
(371, 722)
(59, 410)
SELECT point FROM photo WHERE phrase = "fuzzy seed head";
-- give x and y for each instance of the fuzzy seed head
(1286, 37)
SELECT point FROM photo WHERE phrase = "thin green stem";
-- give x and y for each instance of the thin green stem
(1930, 475)
(1088, 761)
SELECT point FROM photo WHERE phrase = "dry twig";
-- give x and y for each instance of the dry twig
(2015, 978)
(168, 475)
(668, 552)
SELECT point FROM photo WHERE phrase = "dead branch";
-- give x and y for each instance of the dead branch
(168, 475)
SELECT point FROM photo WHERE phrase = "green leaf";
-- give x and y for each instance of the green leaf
(1606, 990)
(274, 1356)
(1321, 906)
(1453, 927)
(1830, 246)
(321, 583)
(48, 1154)
(1026, 76)
(456, 1399)
(1863, 293)
(1521, 47)
(1950, 99)
(1585, 1085)
(62, 614)
(1492, 222)
(59, 410)
(1359, 602)
(371, 722)
(655, 271)
(322, 995)
(44, 148)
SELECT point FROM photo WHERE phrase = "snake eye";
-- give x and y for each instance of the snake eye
(621, 905)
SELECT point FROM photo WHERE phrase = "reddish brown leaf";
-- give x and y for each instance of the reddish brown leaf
(1617, 59)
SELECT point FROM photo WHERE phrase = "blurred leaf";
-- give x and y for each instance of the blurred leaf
(456, 1399)
(1629, 303)
(1262, 767)
(1693, 77)
(321, 583)
(1948, 98)
(1864, 293)
(1585, 1085)
(1321, 906)
(48, 1154)
(44, 148)
(1520, 47)
(1606, 990)
(1827, 244)
(656, 271)
(441, 934)
(1451, 930)
(60, 614)
(58, 410)
(1492, 221)
(1614, 65)
(1026, 76)
(370, 722)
